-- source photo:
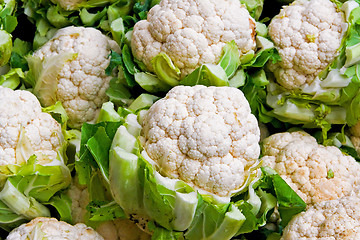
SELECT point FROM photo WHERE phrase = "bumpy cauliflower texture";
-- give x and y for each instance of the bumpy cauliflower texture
(315, 172)
(82, 81)
(192, 32)
(52, 229)
(25, 129)
(328, 220)
(205, 136)
(307, 35)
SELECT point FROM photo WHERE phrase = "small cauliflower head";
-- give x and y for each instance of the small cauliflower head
(117, 229)
(74, 63)
(192, 32)
(205, 136)
(307, 35)
(26, 130)
(315, 172)
(52, 229)
(328, 220)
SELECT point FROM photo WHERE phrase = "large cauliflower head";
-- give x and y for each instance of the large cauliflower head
(307, 35)
(205, 136)
(333, 219)
(52, 229)
(80, 82)
(315, 172)
(26, 130)
(192, 32)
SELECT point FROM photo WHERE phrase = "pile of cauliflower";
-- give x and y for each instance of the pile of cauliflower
(211, 139)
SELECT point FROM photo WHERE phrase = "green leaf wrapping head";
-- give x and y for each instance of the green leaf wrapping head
(180, 162)
(32, 167)
(316, 79)
(173, 48)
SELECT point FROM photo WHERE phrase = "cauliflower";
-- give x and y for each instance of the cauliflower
(192, 32)
(51, 229)
(307, 35)
(205, 136)
(122, 229)
(328, 220)
(315, 172)
(26, 130)
(73, 72)
(118, 229)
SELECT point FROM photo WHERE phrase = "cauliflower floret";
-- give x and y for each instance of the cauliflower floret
(205, 136)
(52, 229)
(192, 32)
(118, 229)
(26, 130)
(328, 220)
(307, 35)
(315, 172)
(81, 83)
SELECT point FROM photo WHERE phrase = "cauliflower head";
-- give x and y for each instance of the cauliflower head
(80, 82)
(118, 229)
(26, 130)
(52, 229)
(315, 172)
(307, 35)
(328, 220)
(192, 32)
(205, 136)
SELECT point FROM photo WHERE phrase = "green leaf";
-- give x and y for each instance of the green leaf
(99, 146)
(90, 19)
(62, 203)
(101, 211)
(58, 112)
(12, 78)
(230, 60)
(5, 47)
(84, 166)
(151, 83)
(208, 75)
(118, 92)
(289, 203)
(165, 69)
(215, 221)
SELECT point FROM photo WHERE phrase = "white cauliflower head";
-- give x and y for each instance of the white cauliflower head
(307, 35)
(52, 229)
(26, 130)
(192, 32)
(315, 172)
(328, 220)
(80, 82)
(205, 136)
